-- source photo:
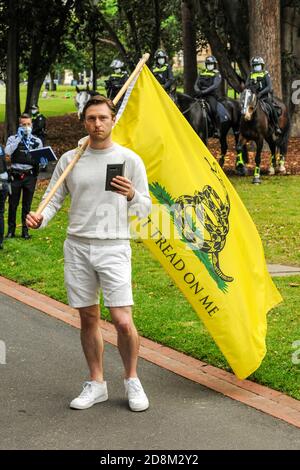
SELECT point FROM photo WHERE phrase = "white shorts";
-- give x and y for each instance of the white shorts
(94, 265)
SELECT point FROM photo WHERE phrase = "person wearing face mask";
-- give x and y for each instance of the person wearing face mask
(259, 82)
(116, 80)
(207, 86)
(4, 186)
(38, 123)
(162, 70)
(23, 173)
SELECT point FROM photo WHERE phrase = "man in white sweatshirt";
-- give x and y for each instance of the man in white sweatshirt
(97, 249)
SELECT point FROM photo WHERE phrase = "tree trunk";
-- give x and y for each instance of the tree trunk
(189, 46)
(218, 42)
(12, 72)
(236, 15)
(52, 77)
(290, 47)
(264, 37)
(44, 50)
(33, 90)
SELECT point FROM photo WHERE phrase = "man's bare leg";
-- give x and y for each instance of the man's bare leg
(92, 341)
(128, 339)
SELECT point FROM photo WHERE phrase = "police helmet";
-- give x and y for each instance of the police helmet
(117, 64)
(159, 54)
(257, 61)
(211, 60)
(34, 109)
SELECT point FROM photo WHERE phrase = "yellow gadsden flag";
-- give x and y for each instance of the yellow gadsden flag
(199, 229)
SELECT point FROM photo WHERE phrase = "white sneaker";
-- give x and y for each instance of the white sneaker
(93, 392)
(137, 398)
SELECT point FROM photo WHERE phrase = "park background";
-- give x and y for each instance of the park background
(39, 41)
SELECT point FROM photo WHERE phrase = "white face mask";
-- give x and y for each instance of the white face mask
(210, 66)
(117, 70)
(27, 130)
(257, 68)
(161, 60)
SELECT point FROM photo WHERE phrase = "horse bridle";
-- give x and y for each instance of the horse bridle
(249, 92)
(193, 104)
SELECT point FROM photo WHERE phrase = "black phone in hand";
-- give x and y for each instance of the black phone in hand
(113, 170)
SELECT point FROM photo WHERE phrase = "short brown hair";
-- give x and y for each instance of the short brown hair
(25, 116)
(99, 99)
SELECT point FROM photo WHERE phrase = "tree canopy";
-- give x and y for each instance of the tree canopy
(39, 37)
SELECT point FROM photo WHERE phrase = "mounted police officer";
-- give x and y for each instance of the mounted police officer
(38, 123)
(116, 80)
(259, 82)
(162, 70)
(4, 185)
(23, 173)
(207, 86)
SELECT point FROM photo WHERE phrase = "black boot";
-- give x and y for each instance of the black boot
(277, 129)
(217, 133)
(25, 234)
(217, 126)
(10, 234)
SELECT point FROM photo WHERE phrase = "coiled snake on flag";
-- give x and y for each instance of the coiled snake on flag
(213, 215)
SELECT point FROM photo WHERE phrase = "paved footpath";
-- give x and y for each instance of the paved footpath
(282, 270)
(45, 368)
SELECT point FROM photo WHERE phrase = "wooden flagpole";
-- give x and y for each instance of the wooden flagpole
(80, 150)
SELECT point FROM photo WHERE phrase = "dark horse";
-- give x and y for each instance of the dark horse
(256, 126)
(197, 113)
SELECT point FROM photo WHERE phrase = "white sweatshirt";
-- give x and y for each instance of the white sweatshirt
(94, 212)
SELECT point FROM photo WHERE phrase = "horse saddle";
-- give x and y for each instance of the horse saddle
(278, 109)
(222, 112)
(268, 109)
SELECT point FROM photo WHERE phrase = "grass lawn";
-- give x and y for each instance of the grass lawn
(56, 104)
(161, 312)
(274, 207)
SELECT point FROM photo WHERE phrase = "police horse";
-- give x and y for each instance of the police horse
(81, 99)
(256, 125)
(198, 114)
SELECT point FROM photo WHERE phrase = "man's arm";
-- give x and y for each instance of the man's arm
(170, 79)
(11, 144)
(40, 143)
(214, 86)
(55, 203)
(196, 87)
(268, 88)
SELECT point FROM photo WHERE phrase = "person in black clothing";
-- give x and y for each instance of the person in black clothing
(23, 173)
(3, 192)
(259, 82)
(116, 80)
(207, 86)
(38, 124)
(162, 70)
